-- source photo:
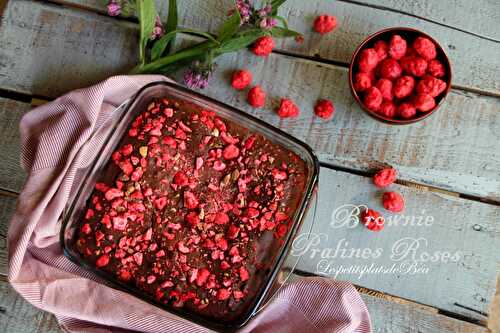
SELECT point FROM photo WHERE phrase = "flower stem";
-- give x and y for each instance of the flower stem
(189, 52)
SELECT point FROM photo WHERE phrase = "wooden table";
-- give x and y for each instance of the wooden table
(449, 164)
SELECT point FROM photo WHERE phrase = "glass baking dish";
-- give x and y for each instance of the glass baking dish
(118, 125)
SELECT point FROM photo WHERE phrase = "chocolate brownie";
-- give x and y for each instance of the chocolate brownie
(192, 209)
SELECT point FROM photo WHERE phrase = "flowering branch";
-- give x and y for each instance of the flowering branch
(245, 25)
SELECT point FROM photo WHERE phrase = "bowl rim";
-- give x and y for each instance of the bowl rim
(377, 116)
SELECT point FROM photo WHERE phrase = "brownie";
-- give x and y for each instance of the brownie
(192, 209)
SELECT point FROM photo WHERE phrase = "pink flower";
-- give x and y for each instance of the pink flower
(114, 9)
(266, 10)
(245, 8)
(268, 22)
(158, 29)
(195, 80)
(197, 76)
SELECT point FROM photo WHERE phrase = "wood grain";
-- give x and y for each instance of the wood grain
(467, 227)
(390, 316)
(462, 235)
(11, 174)
(455, 149)
(47, 50)
(475, 64)
(479, 17)
(431, 152)
(7, 207)
(474, 60)
(19, 316)
(387, 316)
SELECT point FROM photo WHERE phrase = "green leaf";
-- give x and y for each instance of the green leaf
(240, 41)
(128, 8)
(179, 64)
(280, 32)
(147, 18)
(159, 65)
(161, 45)
(230, 27)
(276, 5)
(171, 22)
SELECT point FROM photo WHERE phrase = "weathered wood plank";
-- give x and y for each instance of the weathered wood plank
(431, 152)
(7, 207)
(478, 17)
(11, 173)
(389, 314)
(455, 149)
(47, 50)
(468, 228)
(472, 69)
(100, 6)
(90, 78)
(481, 18)
(442, 251)
(18, 316)
(475, 63)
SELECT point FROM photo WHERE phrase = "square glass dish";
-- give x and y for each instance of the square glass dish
(190, 205)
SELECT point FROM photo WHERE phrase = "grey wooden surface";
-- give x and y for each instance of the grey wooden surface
(396, 315)
(404, 317)
(468, 282)
(7, 206)
(48, 50)
(478, 17)
(388, 316)
(431, 152)
(11, 173)
(474, 59)
(18, 316)
(466, 229)
(62, 48)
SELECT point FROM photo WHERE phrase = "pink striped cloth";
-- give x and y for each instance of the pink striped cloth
(58, 141)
